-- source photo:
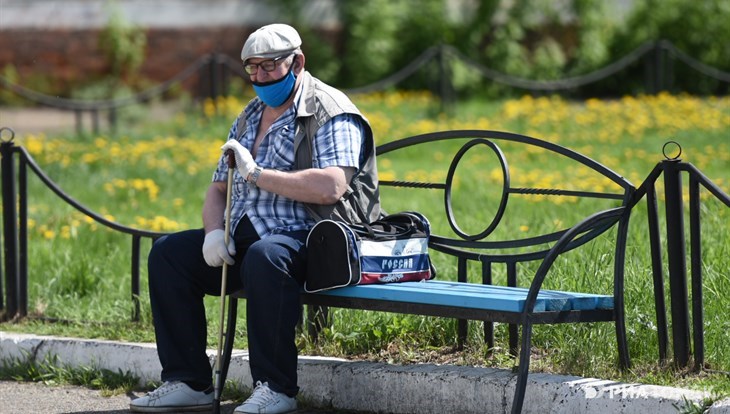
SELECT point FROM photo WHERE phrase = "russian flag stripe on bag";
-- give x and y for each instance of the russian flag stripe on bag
(385, 269)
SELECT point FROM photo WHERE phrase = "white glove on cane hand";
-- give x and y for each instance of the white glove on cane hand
(215, 251)
(244, 161)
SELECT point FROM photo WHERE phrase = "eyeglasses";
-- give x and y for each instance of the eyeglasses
(268, 65)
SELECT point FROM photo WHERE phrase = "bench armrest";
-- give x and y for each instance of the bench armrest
(611, 215)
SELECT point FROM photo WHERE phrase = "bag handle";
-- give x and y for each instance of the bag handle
(394, 221)
(393, 225)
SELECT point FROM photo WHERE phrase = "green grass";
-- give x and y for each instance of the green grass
(52, 372)
(154, 175)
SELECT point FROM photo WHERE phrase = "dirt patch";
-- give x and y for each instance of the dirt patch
(51, 120)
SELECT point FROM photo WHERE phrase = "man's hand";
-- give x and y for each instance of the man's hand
(244, 161)
(215, 250)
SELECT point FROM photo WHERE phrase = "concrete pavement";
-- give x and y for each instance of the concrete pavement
(339, 385)
(36, 398)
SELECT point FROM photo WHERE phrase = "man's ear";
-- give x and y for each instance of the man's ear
(298, 64)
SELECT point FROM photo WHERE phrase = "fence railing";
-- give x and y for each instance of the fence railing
(15, 243)
(15, 227)
(671, 168)
(208, 64)
(214, 72)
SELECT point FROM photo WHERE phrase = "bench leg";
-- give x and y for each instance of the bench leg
(512, 328)
(523, 368)
(489, 336)
(462, 325)
(623, 346)
(622, 342)
(227, 349)
(488, 326)
(618, 294)
(462, 329)
(317, 318)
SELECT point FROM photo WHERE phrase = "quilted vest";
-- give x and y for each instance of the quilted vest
(320, 103)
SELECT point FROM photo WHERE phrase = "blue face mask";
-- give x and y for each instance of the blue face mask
(277, 92)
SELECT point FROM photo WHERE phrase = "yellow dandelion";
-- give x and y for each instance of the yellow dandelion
(34, 145)
(386, 175)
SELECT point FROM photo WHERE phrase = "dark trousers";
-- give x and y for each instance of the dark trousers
(272, 270)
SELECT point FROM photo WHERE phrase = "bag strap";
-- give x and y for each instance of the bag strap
(404, 221)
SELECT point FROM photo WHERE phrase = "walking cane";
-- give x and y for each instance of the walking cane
(218, 387)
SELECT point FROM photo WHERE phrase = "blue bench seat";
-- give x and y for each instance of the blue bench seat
(473, 295)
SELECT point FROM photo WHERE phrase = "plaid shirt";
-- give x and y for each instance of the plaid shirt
(336, 143)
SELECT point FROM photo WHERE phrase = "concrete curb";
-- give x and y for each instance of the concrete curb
(384, 388)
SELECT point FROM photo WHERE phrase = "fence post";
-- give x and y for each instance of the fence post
(225, 74)
(135, 277)
(654, 69)
(95, 120)
(648, 71)
(2, 296)
(441, 80)
(23, 236)
(444, 81)
(657, 273)
(78, 115)
(658, 67)
(667, 66)
(698, 315)
(214, 78)
(676, 258)
(10, 231)
(113, 120)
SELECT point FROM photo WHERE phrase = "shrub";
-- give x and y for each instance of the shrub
(698, 28)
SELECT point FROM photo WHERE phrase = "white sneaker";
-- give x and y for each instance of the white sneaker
(264, 400)
(174, 396)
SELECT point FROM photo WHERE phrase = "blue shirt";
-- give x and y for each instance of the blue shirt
(336, 143)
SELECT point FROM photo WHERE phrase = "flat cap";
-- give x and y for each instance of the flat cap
(271, 41)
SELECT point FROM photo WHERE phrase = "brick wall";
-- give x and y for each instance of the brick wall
(70, 57)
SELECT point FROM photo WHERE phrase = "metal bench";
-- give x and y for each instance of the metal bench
(452, 295)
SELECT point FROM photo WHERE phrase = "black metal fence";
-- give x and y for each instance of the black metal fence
(15, 243)
(218, 68)
(671, 168)
(215, 70)
(15, 227)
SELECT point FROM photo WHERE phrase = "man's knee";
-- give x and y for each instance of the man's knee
(157, 250)
(262, 256)
(168, 252)
(162, 250)
(270, 260)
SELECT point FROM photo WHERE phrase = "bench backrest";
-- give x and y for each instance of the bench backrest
(498, 197)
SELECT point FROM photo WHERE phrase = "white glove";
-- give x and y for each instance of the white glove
(244, 161)
(215, 251)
